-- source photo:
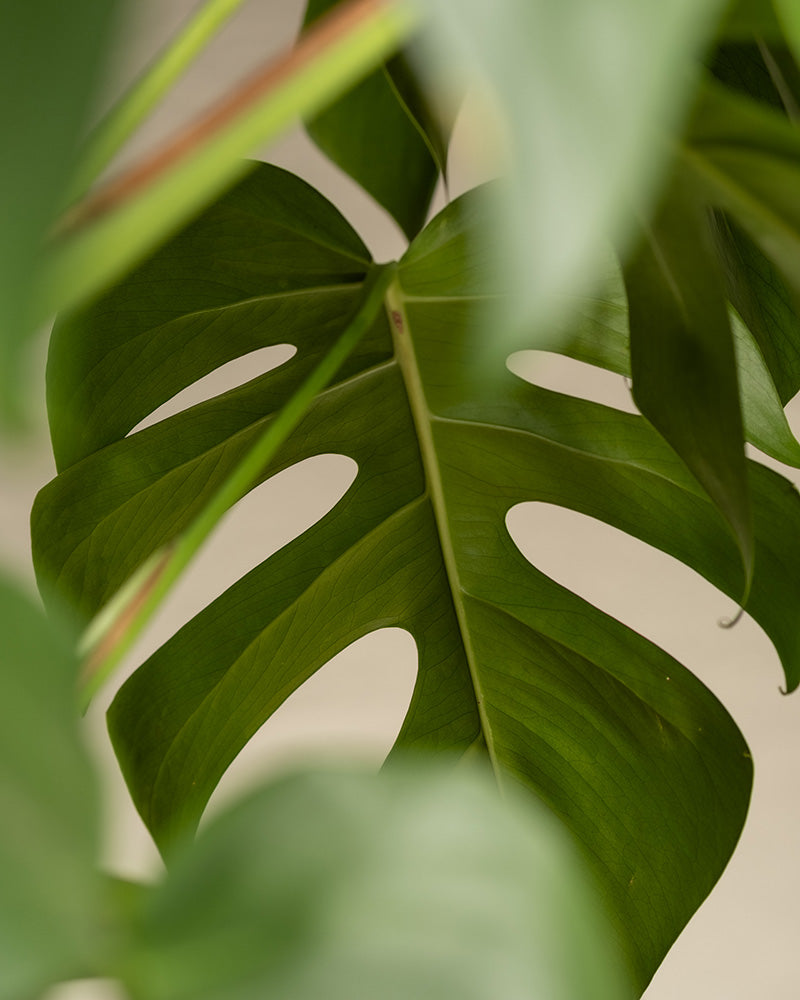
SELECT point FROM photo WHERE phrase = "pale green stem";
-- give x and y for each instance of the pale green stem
(152, 582)
(111, 134)
(86, 261)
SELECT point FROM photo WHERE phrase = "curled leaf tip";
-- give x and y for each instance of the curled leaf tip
(730, 622)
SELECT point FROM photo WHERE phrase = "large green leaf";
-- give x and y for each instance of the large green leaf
(49, 836)
(51, 54)
(637, 757)
(385, 135)
(354, 887)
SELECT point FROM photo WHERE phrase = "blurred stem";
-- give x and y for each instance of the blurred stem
(113, 631)
(126, 116)
(114, 229)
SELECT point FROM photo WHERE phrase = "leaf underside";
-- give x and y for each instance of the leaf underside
(625, 745)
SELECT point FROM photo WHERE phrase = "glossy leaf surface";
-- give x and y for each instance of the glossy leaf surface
(50, 897)
(353, 887)
(384, 135)
(637, 757)
(51, 57)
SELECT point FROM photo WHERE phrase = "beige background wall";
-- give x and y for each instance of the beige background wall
(741, 944)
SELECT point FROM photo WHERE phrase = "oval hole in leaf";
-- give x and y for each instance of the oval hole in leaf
(349, 711)
(262, 522)
(574, 378)
(228, 376)
(86, 989)
(646, 589)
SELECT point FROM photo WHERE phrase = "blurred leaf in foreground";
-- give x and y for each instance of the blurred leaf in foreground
(583, 141)
(50, 62)
(418, 883)
(49, 890)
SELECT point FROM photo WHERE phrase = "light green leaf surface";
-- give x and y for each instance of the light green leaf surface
(745, 19)
(419, 883)
(49, 890)
(788, 16)
(637, 757)
(585, 145)
(51, 57)
(683, 359)
(373, 134)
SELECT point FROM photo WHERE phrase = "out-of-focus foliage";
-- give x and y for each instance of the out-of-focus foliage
(50, 899)
(414, 885)
(51, 57)
(419, 883)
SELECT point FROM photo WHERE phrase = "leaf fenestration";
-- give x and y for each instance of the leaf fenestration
(639, 759)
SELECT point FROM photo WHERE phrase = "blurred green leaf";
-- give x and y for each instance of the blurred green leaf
(49, 890)
(384, 134)
(416, 884)
(584, 142)
(683, 358)
(510, 663)
(51, 56)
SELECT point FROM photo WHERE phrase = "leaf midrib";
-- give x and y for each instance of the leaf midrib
(421, 414)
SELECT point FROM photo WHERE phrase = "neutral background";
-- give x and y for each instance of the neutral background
(741, 944)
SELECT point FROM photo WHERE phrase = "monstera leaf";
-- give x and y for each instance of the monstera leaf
(639, 760)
